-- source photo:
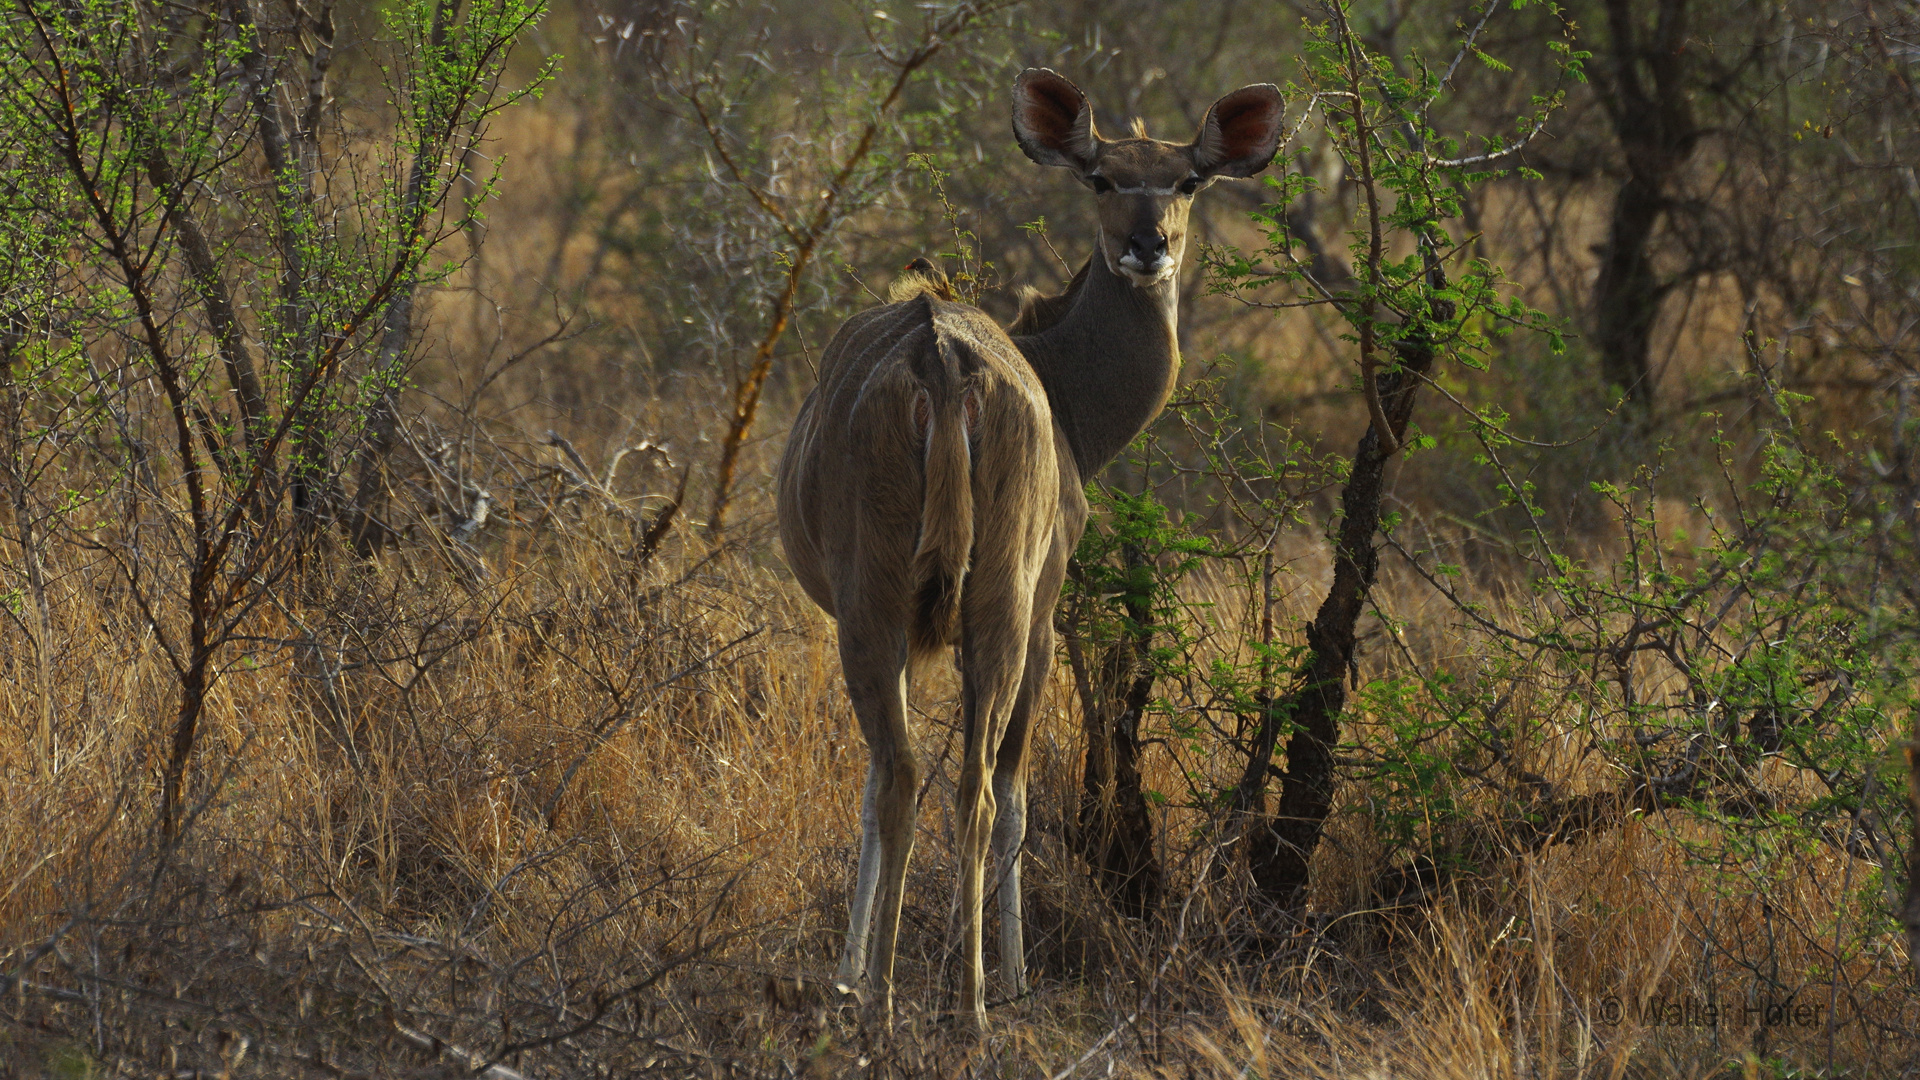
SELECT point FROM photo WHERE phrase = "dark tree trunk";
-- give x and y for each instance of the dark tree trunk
(1114, 830)
(186, 730)
(1641, 82)
(1627, 294)
(371, 529)
(1280, 846)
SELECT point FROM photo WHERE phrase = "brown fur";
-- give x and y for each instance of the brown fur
(931, 493)
(1039, 312)
(946, 375)
(920, 504)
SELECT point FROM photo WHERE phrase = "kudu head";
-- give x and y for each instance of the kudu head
(1143, 186)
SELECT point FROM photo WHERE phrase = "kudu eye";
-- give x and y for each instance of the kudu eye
(1190, 185)
(1101, 185)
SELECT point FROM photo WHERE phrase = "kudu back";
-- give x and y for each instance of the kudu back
(931, 492)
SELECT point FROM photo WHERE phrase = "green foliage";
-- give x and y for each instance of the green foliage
(1376, 112)
(1133, 557)
(1214, 653)
(1752, 675)
(117, 128)
(975, 273)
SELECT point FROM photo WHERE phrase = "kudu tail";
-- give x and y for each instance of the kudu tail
(946, 414)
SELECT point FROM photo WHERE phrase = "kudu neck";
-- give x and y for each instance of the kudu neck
(1109, 364)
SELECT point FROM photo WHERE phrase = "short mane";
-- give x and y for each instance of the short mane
(1040, 312)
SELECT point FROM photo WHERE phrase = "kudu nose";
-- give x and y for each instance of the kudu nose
(1148, 245)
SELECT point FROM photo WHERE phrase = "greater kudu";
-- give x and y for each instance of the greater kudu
(931, 492)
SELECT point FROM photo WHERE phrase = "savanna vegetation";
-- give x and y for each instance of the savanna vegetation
(1499, 660)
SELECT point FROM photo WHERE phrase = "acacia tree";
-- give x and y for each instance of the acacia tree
(231, 268)
(1407, 317)
(1752, 679)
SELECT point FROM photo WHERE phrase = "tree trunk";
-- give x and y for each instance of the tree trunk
(312, 491)
(371, 529)
(1114, 830)
(186, 731)
(203, 271)
(1280, 847)
(1627, 294)
(1655, 129)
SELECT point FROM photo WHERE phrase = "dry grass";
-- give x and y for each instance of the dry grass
(395, 857)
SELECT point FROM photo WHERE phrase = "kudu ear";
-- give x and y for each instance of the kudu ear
(1052, 121)
(1241, 132)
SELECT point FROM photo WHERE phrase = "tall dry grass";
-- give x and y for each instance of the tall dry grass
(613, 815)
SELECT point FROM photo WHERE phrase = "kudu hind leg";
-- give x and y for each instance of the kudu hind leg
(1010, 760)
(876, 681)
(853, 960)
(1009, 833)
(993, 671)
(1010, 798)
